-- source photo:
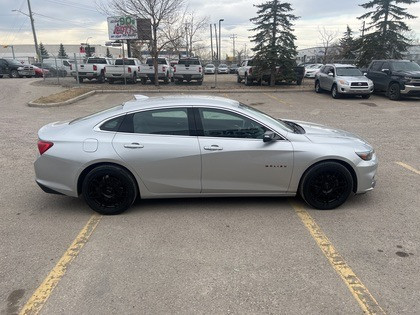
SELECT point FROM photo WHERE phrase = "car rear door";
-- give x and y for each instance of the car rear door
(159, 145)
(235, 159)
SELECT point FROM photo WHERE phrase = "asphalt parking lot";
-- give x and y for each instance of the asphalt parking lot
(233, 255)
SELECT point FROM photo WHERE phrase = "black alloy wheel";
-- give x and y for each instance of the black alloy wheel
(394, 92)
(109, 189)
(14, 74)
(326, 186)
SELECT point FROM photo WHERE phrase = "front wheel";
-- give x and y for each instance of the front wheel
(14, 74)
(326, 185)
(334, 92)
(394, 92)
(109, 189)
(317, 87)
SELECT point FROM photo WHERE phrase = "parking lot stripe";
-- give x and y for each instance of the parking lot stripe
(366, 301)
(277, 99)
(41, 295)
(410, 168)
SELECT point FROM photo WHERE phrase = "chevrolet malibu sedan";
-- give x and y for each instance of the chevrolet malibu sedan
(197, 146)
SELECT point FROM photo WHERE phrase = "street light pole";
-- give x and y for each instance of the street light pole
(220, 40)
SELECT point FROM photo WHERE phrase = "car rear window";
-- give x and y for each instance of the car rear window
(119, 62)
(161, 61)
(97, 61)
(189, 62)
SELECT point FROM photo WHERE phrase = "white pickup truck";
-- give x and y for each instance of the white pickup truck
(94, 68)
(147, 71)
(188, 69)
(127, 69)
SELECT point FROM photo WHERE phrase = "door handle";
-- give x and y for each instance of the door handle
(133, 145)
(213, 148)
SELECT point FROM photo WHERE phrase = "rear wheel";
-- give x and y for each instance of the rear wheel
(101, 78)
(134, 79)
(80, 80)
(238, 79)
(394, 92)
(111, 81)
(326, 185)
(143, 81)
(318, 87)
(109, 189)
(334, 92)
(248, 82)
(200, 82)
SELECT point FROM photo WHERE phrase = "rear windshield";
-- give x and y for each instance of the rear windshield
(189, 62)
(130, 62)
(161, 61)
(349, 72)
(97, 61)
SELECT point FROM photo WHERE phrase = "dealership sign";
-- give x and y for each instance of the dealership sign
(122, 27)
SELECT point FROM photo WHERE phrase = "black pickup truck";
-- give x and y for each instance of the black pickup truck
(14, 69)
(395, 77)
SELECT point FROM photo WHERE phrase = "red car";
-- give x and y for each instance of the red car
(39, 73)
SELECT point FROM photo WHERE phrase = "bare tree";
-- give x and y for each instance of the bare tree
(327, 39)
(162, 14)
(193, 25)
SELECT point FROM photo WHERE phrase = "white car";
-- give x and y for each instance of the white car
(209, 69)
(312, 70)
(223, 68)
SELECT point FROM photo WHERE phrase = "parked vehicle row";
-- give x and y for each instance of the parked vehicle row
(397, 78)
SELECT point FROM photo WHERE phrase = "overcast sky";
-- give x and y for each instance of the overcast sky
(73, 21)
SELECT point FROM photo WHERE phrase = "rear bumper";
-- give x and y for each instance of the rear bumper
(188, 76)
(151, 76)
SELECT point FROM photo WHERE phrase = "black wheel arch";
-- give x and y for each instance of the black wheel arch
(86, 171)
(345, 164)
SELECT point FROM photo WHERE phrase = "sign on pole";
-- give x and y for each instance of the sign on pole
(122, 27)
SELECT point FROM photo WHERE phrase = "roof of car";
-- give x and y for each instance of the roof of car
(176, 100)
(339, 65)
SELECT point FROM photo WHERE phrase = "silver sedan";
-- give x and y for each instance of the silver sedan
(197, 146)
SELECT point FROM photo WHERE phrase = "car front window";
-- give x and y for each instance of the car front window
(259, 114)
(349, 72)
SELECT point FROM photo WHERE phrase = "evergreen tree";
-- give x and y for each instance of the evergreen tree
(274, 40)
(43, 51)
(387, 38)
(348, 45)
(108, 53)
(62, 52)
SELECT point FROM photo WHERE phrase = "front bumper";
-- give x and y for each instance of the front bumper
(26, 72)
(352, 90)
(366, 175)
(411, 90)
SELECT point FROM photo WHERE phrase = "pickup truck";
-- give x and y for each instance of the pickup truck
(246, 72)
(117, 72)
(94, 68)
(147, 71)
(188, 69)
(395, 77)
(15, 69)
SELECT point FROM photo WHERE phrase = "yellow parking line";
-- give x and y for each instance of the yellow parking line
(277, 99)
(41, 295)
(366, 301)
(410, 168)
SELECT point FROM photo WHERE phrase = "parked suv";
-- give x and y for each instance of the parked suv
(396, 77)
(343, 80)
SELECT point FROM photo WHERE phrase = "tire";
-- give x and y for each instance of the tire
(143, 81)
(318, 87)
(326, 185)
(29, 76)
(80, 80)
(109, 189)
(299, 82)
(394, 92)
(1, 76)
(14, 74)
(248, 82)
(101, 78)
(166, 79)
(111, 81)
(366, 96)
(134, 79)
(334, 92)
(238, 79)
(200, 82)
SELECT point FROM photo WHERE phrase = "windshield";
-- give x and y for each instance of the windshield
(14, 62)
(223, 66)
(264, 116)
(406, 66)
(161, 61)
(349, 72)
(210, 66)
(97, 61)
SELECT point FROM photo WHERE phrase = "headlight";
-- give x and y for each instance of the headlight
(20, 68)
(343, 82)
(370, 82)
(408, 79)
(365, 155)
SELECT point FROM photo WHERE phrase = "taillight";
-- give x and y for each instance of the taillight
(95, 67)
(164, 69)
(129, 70)
(199, 69)
(43, 146)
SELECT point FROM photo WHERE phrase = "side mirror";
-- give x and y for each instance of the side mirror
(387, 71)
(269, 136)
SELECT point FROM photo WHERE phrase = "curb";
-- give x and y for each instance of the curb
(211, 91)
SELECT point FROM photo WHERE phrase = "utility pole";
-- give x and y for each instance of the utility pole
(211, 42)
(217, 44)
(186, 38)
(220, 40)
(233, 37)
(33, 30)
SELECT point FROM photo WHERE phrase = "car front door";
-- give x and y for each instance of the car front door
(159, 145)
(235, 159)
(323, 78)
